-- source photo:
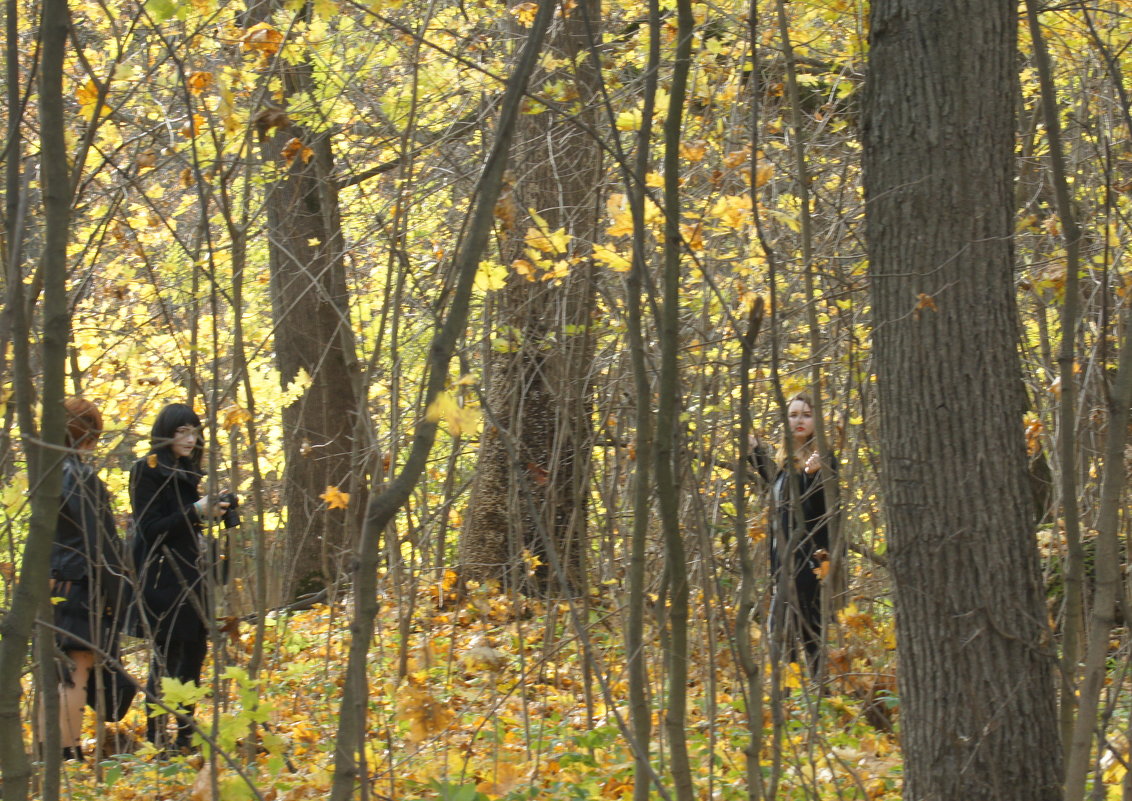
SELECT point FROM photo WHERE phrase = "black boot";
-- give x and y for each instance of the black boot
(74, 752)
(184, 741)
(155, 730)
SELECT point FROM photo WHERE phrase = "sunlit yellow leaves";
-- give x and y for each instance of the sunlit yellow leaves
(199, 82)
(629, 120)
(611, 259)
(425, 715)
(235, 416)
(541, 238)
(554, 242)
(87, 96)
(490, 276)
(459, 419)
(732, 211)
(524, 12)
(296, 388)
(325, 9)
(617, 206)
(335, 498)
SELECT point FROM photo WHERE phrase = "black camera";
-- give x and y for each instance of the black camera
(231, 518)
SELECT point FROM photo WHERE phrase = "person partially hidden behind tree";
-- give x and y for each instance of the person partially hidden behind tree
(796, 609)
(88, 581)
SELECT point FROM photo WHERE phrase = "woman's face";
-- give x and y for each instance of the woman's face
(184, 440)
(800, 417)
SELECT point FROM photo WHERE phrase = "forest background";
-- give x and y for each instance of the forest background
(637, 229)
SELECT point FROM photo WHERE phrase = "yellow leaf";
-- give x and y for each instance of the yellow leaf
(490, 276)
(525, 12)
(629, 120)
(235, 416)
(335, 498)
(540, 239)
(296, 387)
(459, 419)
(612, 259)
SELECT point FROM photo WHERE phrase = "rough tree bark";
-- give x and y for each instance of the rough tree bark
(976, 662)
(534, 455)
(312, 334)
(43, 446)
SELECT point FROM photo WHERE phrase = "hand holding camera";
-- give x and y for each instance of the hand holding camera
(223, 508)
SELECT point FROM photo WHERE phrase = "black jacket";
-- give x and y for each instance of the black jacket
(811, 494)
(167, 545)
(87, 547)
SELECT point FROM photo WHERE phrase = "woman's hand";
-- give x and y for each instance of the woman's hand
(813, 463)
(209, 510)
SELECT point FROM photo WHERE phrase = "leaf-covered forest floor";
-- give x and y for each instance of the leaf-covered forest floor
(495, 703)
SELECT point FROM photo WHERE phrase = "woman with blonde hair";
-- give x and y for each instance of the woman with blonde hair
(796, 483)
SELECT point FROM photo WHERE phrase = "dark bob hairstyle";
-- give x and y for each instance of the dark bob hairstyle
(165, 426)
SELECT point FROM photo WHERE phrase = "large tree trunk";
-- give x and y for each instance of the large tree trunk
(535, 450)
(976, 660)
(312, 334)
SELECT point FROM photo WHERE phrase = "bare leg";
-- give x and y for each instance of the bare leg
(72, 698)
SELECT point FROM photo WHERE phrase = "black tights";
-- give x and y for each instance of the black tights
(180, 659)
(801, 618)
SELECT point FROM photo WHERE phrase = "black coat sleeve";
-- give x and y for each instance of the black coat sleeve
(162, 514)
(762, 463)
(86, 505)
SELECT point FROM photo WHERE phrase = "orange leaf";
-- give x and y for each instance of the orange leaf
(335, 498)
(294, 148)
(199, 81)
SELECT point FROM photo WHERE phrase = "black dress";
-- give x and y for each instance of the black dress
(802, 612)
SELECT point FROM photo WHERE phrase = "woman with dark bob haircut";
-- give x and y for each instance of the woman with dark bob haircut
(87, 573)
(172, 558)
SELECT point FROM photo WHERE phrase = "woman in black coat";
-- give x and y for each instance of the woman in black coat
(88, 574)
(799, 484)
(172, 556)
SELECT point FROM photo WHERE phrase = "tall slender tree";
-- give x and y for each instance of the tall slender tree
(43, 445)
(977, 666)
(535, 451)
